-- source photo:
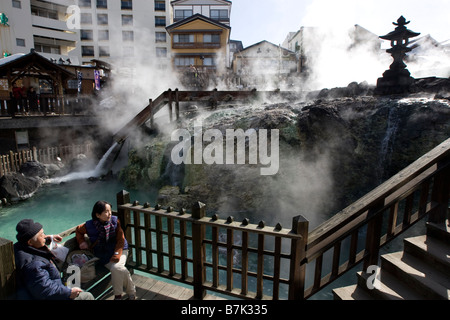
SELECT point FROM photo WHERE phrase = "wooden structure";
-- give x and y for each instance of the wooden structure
(172, 98)
(11, 162)
(33, 66)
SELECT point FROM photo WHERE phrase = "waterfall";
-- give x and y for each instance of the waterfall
(103, 166)
(387, 144)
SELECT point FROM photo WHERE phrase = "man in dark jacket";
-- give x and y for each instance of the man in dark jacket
(37, 275)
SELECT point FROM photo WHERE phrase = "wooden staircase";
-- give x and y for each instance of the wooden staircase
(420, 272)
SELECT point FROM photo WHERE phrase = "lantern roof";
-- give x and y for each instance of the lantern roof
(401, 32)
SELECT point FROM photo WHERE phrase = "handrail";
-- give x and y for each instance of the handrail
(154, 233)
(175, 96)
(420, 189)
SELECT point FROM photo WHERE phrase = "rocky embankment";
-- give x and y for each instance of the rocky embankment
(333, 148)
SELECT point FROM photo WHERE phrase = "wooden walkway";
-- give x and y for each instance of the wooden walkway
(153, 289)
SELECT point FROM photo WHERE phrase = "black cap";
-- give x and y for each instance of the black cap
(27, 229)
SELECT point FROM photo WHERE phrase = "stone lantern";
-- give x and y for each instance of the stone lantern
(397, 79)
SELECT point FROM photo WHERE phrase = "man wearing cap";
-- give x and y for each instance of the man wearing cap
(37, 274)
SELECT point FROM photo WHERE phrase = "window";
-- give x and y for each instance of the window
(47, 48)
(84, 3)
(160, 21)
(46, 13)
(86, 18)
(103, 51)
(103, 35)
(208, 61)
(86, 35)
(184, 61)
(211, 38)
(221, 15)
(16, 4)
(160, 5)
(127, 20)
(160, 37)
(87, 51)
(126, 4)
(102, 19)
(127, 36)
(20, 42)
(102, 4)
(183, 38)
(182, 14)
(161, 52)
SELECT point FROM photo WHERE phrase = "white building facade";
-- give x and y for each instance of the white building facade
(115, 31)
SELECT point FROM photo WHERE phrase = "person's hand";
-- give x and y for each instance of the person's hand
(84, 245)
(75, 292)
(115, 258)
(57, 238)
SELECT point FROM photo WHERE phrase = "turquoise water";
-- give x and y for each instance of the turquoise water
(60, 207)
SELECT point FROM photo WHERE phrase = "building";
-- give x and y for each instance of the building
(264, 64)
(200, 40)
(39, 25)
(124, 32)
(78, 31)
(308, 42)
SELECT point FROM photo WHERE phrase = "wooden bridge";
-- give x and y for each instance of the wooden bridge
(172, 98)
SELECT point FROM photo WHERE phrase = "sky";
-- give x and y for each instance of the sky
(255, 20)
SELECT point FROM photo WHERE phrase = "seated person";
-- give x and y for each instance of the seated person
(37, 274)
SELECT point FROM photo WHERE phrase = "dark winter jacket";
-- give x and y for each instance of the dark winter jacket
(37, 275)
(103, 248)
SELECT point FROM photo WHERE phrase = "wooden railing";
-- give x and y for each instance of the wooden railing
(172, 99)
(47, 104)
(183, 247)
(12, 162)
(276, 263)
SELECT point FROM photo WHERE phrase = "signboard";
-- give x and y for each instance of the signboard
(4, 84)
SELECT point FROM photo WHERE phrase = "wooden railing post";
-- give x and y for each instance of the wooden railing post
(122, 197)
(298, 254)
(373, 235)
(198, 250)
(170, 106)
(177, 104)
(7, 269)
(440, 195)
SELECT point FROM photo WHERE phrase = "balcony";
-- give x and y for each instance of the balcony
(195, 45)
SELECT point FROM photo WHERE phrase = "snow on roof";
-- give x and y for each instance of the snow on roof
(10, 58)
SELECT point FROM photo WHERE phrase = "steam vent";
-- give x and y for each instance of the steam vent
(397, 79)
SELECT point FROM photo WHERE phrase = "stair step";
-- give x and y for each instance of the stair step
(353, 292)
(389, 287)
(440, 231)
(428, 281)
(430, 250)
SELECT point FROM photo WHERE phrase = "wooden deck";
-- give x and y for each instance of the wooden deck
(153, 289)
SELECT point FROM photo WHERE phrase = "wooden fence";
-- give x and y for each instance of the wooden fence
(274, 262)
(11, 162)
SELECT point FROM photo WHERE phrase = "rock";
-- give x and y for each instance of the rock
(16, 186)
(33, 169)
